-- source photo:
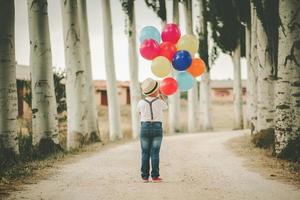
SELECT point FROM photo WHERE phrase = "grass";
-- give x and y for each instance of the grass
(33, 170)
(263, 161)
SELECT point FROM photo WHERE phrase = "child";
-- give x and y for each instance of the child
(151, 111)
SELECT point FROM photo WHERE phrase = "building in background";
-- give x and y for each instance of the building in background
(101, 92)
(23, 80)
(222, 90)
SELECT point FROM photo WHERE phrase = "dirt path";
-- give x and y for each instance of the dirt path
(194, 166)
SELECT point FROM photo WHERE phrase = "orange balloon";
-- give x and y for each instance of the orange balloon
(197, 67)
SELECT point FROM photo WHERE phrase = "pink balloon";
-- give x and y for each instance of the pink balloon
(171, 33)
(149, 49)
(168, 86)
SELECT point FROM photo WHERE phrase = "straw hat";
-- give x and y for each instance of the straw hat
(149, 86)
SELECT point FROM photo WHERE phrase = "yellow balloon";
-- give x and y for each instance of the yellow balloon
(161, 66)
(189, 43)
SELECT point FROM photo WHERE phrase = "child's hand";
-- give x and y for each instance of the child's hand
(163, 97)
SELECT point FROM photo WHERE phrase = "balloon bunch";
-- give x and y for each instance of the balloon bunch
(174, 53)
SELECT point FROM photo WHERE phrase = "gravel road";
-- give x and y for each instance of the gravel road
(193, 166)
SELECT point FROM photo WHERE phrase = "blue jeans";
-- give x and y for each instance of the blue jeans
(151, 137)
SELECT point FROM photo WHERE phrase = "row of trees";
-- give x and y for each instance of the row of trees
(82, 117)
(266, 32)
(273, 35)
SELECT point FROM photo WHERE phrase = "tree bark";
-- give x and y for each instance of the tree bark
(205, 101)
(174, 100)
(265, 85)
(93, 133)
(135, 93)
(44, 107)
(249, 78)
(76, 75)
(287, 101)
(252, 72)
(8, 90)
(237, 88)
(114, 114)
(205, 90)
(193, 92)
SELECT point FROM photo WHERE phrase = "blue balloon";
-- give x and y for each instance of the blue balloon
(150, 32)
(182, 60)
(185, 81)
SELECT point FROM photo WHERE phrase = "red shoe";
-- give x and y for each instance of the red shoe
(157, 180)
(145, 180)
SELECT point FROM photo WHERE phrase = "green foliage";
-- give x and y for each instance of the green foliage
(128, 8)
(159, 7)
(223, 15)
(268, 14)
(25, 147)
(245, 11)
(225, 20)
(264, 139)
(60, 90)
(183, 95)
(27, 95)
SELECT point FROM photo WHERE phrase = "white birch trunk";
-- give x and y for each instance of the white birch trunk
(204, 90)
(192, 93)
(8, 89)
(237, 88)
(265, 86)
(93, 133)
(44, 107)
(287, 101)
(174, 100)
(114, 114)
(76, 78)
(252, 72)
(135, 93)
(248, 58)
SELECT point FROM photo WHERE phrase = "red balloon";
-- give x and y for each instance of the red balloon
(168, 50)
(171, 33)
(168, 86)
(149, 49)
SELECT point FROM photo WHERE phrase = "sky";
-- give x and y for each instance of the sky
(222, 69)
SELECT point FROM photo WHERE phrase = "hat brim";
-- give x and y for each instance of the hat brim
(156, 87)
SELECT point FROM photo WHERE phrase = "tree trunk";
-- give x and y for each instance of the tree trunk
(135, 93)
(93, 133)
(44, 107)
(76, 75)
(175, 12)
(206, 101)
(252, 72)
(192, 93)
(287, 101)
(249, 78)
(114, 114)
(205, 90)
(174, 100)
(8, 90)
(265, 86)
(237, 88)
